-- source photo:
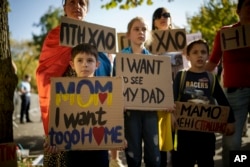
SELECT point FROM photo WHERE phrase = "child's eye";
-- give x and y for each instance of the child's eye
(136, 29)
(204, 52)
(90, 60)
(79, 60)
(144, 29)
(195, 52)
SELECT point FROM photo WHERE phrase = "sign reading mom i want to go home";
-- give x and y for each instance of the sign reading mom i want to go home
(86, 113)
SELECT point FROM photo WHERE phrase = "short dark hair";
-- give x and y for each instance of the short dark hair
(198, 41)
(84, 48)
(240, 3)
(26, 76)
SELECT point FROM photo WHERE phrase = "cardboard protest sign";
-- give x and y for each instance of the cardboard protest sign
(168, 41)
(147, 81)
(86, 113)
(163, 41)
(123, 41)
(176, 59)
(235, 37)
(201, 117)
(193, 36)
(8, 156)
(74, 32)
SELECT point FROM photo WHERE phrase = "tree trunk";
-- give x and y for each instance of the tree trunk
(8, 78)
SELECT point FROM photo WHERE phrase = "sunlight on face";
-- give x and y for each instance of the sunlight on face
(76, 9)
(162, 22)
(198, 56)
(138, 32)
(84, 65)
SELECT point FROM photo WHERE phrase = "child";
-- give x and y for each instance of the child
(84, 61)
(140, 125)
(198, 147)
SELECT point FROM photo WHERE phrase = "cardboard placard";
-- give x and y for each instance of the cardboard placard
(123, 41)
(193, 36)
(163, 41)
(173, 48)
(201, 117)
(8, 156)
(74, 32)
(176, 59)
(168, 41)
(235, 37)
(147, 81)
(86, 113)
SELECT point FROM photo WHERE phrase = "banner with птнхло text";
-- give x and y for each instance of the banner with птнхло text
(147, 81)
(201, 117)
(163, 41)
(73, 32)
(168, 41)
(86, 113)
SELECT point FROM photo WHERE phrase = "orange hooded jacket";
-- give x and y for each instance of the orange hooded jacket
(53, 62)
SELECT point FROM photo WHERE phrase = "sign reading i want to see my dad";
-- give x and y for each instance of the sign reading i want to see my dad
(235, 37)
(86, 113)
(147, 81)
(201, 117)
(74, 32)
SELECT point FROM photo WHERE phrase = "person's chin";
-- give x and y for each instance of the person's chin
(77, 18)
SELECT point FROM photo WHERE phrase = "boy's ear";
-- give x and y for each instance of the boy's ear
(97, 64)
(71, 63)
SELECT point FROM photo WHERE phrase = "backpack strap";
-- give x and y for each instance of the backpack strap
(181, 86)
(212, 82)
(182, 82)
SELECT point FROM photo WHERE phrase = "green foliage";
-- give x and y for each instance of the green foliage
(213, 15)
(24, 56)
(48, 21)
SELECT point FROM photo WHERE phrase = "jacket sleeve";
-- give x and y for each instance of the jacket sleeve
(105, 65)
(221, 99)
(216, 53)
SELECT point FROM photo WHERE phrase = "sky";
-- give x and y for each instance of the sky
(25, 13)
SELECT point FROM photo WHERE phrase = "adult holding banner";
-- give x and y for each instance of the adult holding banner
(161, 20)
(54, 62)
(236, 70)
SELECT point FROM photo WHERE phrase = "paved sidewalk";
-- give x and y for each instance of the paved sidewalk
(30, 135)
